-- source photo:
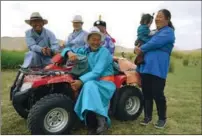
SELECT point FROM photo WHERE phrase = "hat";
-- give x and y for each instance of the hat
(77, 18)
(101, 23)
(94, 30)
(35, 16)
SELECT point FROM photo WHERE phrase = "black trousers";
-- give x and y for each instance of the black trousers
(153, 89)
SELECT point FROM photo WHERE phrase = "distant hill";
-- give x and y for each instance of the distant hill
(13, 43)
(200, 49)
(192, 51)
(123, 49)
(19, 44)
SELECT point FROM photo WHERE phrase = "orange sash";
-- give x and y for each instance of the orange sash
(108, 78)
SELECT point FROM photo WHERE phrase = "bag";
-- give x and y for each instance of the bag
(80, 66)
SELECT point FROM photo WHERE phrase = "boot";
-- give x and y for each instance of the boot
(91, 123)
(91, 131)
(102, 125)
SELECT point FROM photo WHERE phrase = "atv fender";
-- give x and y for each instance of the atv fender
(119, 80)
(52, 80)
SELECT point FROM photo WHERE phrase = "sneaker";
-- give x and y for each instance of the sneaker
(146, 121)
(160, 124)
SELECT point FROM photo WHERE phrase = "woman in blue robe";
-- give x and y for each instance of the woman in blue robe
(97, 87)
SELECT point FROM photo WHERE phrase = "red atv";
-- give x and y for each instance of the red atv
(45, 98)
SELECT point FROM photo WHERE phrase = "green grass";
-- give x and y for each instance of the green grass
(11, 59)
(183, 92)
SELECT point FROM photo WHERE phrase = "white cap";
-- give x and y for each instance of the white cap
(77, 18)
(94, 30)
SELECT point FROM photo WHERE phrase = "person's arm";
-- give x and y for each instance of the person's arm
(104, 61)
(53, 43)
(158, 40)
(81, 51)
(31, 43)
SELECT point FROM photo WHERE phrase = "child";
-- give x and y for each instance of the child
(143, 34)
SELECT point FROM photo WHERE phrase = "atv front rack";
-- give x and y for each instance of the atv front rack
(42, 72)
(23, 72)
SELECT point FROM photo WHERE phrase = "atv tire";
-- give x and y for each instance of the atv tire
(129, 104)
(52, 115)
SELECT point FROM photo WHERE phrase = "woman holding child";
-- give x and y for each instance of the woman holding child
(154, 70)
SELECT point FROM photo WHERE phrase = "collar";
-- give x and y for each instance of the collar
(163, 28)
(78, 31)
(36, 34)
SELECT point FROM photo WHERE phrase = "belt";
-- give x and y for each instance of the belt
(108, 78)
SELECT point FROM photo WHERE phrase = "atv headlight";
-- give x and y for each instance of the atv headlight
(26, 86)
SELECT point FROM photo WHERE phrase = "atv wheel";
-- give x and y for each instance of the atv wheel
(130, 103)
(52, 114)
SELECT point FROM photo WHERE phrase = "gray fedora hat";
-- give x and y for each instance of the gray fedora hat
(35, 16)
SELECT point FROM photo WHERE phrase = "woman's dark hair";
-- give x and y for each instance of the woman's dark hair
(167, 15)
(146, 19)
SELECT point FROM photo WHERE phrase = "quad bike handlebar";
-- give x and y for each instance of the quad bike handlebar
(51, 69)
(43, 72)
(57, 60)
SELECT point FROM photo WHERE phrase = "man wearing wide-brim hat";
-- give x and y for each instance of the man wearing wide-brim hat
(76, 38)
(41, 42)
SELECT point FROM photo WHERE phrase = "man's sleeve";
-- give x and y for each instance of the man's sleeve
(31, 43)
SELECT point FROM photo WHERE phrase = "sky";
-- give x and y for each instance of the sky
(122, 18)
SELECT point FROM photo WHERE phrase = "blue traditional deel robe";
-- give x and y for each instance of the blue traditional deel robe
(35, 43)
(95, 94)
(157, 53)
(76, 39)
(108, 43)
